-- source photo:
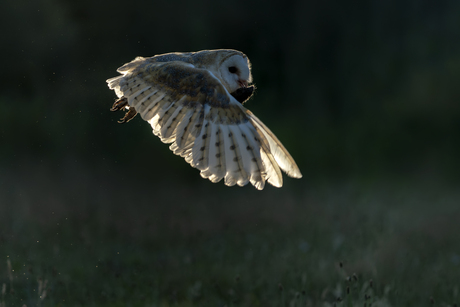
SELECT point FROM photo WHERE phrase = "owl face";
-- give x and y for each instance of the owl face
(235, 72)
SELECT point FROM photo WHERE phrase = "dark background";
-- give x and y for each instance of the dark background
(367, 89)
(364, 95)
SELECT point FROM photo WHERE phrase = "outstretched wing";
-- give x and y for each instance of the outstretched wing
(190, 108)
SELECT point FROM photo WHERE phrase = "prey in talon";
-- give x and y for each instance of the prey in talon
(243, 94)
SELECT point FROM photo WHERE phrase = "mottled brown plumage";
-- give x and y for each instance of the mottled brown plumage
(194, 101)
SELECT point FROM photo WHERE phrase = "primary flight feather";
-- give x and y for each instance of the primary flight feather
(194, 101)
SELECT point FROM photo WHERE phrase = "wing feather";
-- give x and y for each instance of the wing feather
(220, 169)
(279, 152)
(216, 166)
(231, 175)
(238, 159)
(168, 130)
(140, 93)
(150, 108)
(251, 156)
(190, 130)
(170, 112)
(200, 151)
(181, 130)
(213, 160)
(165, 106)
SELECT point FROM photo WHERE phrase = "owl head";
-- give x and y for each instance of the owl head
(235, 71)
(231, 67)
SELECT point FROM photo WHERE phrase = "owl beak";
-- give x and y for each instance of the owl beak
(243, 83)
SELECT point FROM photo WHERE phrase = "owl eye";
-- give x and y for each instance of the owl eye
(232, 69)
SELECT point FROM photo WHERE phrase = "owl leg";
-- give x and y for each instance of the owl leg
(128, 115)
(119, 104)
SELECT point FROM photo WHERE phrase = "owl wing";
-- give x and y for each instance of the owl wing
(190, 108)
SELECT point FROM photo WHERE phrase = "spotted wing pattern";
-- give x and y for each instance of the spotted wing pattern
(190, 108)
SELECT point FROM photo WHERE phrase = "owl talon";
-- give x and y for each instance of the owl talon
(119, 104)
(128, 116)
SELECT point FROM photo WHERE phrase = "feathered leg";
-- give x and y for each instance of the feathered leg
(121, 104)
(128, 116)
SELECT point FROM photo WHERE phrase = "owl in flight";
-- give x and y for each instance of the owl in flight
(194, 101)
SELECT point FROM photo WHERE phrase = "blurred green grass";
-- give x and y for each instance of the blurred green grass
(102, 237)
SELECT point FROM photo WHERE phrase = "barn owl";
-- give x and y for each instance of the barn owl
(194, 101)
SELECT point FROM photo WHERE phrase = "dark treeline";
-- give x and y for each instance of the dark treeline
(361, 88)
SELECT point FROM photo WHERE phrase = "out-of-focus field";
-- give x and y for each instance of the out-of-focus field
(100, 236)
